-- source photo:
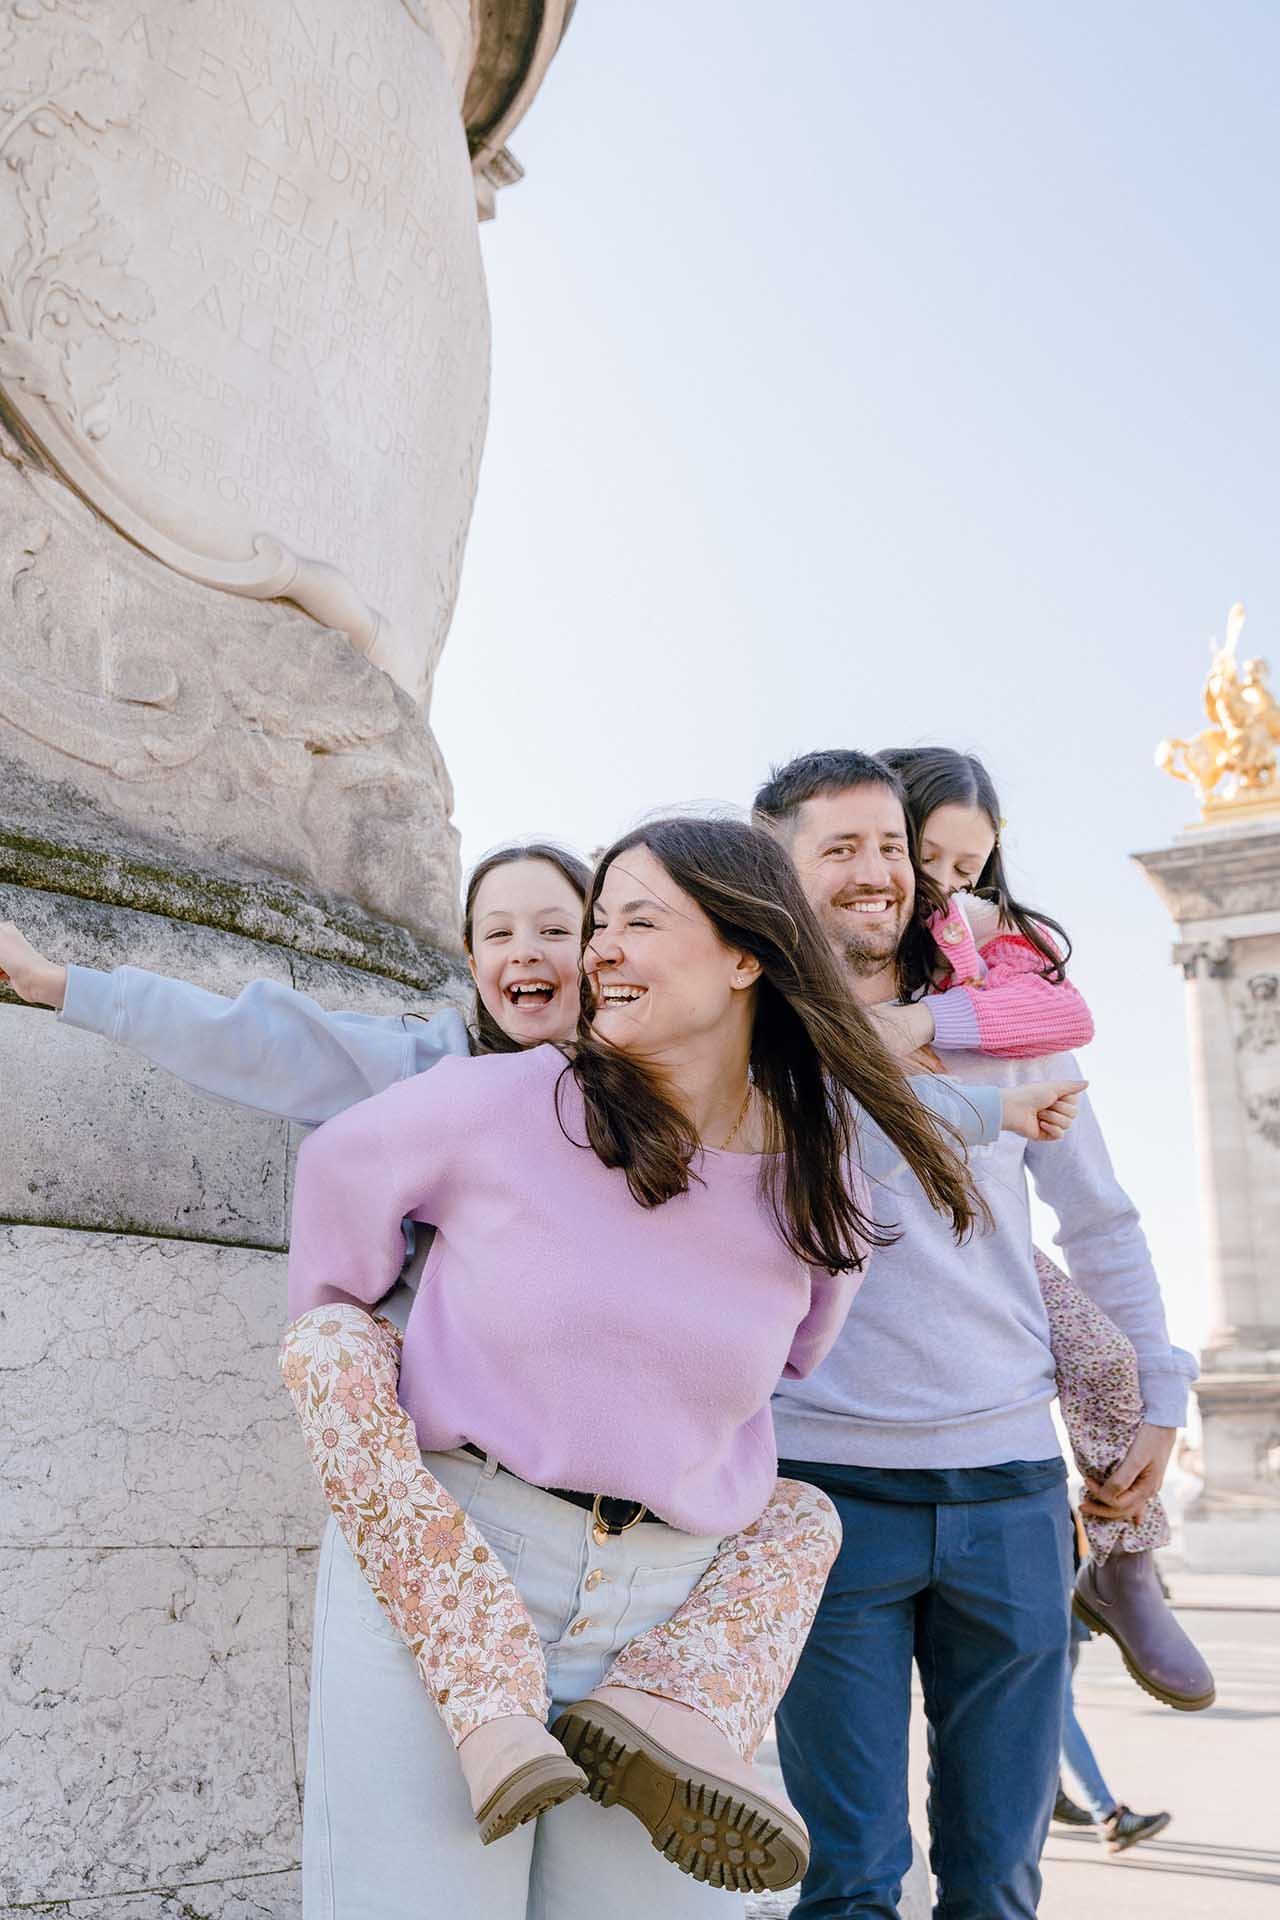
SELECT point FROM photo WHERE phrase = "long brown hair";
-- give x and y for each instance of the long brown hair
(487, 1036)
(814, 1054)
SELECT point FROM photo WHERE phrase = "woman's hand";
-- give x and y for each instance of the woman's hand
(1043, 1109)
(31, 976)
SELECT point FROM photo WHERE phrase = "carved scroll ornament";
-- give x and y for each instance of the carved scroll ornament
(245, 316)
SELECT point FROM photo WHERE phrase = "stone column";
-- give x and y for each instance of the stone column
(1221, 883)
(243, 386)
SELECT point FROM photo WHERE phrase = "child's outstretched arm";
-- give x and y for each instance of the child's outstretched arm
(272, 1048)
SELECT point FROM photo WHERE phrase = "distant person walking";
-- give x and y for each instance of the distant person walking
(1117, 1826)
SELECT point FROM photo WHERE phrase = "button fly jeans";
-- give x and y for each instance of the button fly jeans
(388, 1831)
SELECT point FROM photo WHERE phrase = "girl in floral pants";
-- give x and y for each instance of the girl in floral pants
(728, 1652)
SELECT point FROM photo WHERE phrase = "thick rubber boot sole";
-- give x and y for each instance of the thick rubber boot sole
(703, 1825)
(532, 1789)
(1181, 1702)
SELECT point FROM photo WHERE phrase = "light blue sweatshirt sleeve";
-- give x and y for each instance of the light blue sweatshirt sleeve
(974, 1112)
(272, 1048)
(1106, 1253)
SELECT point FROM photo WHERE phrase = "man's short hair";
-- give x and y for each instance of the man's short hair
(832, 770)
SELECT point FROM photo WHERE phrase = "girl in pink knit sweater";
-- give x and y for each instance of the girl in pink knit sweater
(1001, 987)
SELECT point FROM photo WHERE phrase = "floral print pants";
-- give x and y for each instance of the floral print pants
(728, 1651)
(1101, 1401)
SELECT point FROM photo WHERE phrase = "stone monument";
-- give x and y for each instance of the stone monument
(1221, 882)
(243, 383)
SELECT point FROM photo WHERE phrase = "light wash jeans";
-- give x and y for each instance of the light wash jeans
(1077, 1755)
(388, 1832)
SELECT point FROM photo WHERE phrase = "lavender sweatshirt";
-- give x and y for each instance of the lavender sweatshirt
(585, 1340)
(946, 1362)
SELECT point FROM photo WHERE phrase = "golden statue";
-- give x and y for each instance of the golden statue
(1232, 762)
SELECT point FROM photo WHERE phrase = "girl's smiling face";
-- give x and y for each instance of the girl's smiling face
(525, 925)
(955, 845)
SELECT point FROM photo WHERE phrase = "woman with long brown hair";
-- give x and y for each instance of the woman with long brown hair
(632, 1244)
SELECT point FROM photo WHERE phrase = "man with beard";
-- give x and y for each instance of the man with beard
(929, 1426)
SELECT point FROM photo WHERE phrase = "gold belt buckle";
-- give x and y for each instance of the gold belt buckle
(600, 1528)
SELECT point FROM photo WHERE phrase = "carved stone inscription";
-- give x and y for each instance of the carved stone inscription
(1256, 1020)
(246, 311)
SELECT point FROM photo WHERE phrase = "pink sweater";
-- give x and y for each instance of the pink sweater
(998, 1000)
(585, 1340)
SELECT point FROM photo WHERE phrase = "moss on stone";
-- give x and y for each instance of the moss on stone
(267, 908)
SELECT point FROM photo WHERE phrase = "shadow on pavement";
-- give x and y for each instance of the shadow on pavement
(1197, 1861)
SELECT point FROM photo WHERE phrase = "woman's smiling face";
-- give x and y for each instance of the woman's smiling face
(525, 926)
(660, 975)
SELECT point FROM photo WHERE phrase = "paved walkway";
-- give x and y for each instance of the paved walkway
(1216, 1772)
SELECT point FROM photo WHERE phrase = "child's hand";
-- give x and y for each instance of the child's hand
(983, 916)
(31, 976)
(954, 940)
(1041, 1110)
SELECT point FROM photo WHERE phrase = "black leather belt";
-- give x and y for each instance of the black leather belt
(609, 1517)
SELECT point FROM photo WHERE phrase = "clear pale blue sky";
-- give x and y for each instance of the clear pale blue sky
(871, 374)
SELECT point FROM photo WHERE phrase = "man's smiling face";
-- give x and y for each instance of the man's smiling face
(850, 850)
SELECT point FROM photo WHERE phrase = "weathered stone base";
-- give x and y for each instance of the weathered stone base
(158, 1517)
(264, 1896)
(152, 1739)
(144, 1408)
(106, 1139)
(155, 1575)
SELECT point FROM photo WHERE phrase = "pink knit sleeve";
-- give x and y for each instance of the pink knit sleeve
(1021, 1015)
(956, 946)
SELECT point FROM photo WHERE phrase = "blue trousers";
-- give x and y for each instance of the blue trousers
(976, 1594)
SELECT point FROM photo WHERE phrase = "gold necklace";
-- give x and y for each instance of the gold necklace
(742, 1114)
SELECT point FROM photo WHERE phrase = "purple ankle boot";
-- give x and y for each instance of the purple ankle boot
(1121, 1596)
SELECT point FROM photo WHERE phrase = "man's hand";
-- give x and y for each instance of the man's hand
(903, 1029)
(1041, 1110)
(31, 976)
(1124, 1494)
